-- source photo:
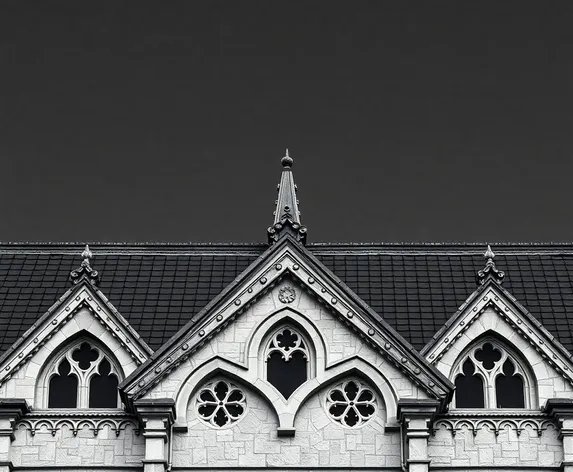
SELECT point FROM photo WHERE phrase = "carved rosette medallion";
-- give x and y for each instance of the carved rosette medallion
(287, 294)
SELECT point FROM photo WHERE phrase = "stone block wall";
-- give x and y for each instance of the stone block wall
(485, 448)
(63, 449)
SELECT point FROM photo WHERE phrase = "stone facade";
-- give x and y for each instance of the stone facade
(408, 426)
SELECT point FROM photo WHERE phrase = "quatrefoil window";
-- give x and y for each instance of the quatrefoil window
(287, 360)
(351, 403)
(221, 403)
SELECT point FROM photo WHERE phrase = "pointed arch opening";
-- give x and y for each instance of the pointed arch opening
(491, 374)
(82, 374)
(288, 358)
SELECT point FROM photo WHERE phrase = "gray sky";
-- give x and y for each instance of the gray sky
(166, 121)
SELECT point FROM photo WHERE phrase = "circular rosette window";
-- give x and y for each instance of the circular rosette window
(221, 403)
(351, 403)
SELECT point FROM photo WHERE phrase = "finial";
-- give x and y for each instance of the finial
(489, 254)
(287, 161)
(87, 254)
(490, 270)
(287, 216)
(85, 270)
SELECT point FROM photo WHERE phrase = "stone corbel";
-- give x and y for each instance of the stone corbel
(416, 418)
(561, 410)
(11, 410)
(157, 417)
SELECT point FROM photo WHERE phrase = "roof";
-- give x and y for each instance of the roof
(158, 288)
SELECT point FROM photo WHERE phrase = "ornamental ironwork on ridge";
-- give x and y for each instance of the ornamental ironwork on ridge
(490, 270)
(287, 216)
(85, 270)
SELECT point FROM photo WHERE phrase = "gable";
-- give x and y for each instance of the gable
(82, 311)
(492, 312)
(286, 261)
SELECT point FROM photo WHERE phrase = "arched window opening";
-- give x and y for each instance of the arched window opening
(82, 377)
(469, 388)
(287, 360)
(63, 387)
(489, 376)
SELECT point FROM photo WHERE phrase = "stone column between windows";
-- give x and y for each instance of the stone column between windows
(561, 410)
(11, 410)
(157, 417)
(416, 417)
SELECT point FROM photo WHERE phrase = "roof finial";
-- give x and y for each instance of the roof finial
(85, 270)
(287, 160)
(490, 270)
(287, 216)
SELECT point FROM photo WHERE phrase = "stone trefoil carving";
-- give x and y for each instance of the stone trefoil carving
(221, 403)
(85, 269)
(490, 270)
(287, 342)
(351, 403)
(287, 294)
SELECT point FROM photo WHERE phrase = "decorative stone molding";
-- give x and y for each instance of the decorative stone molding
(518, 423)
(288, 261)
(61, 313)
(77, 421)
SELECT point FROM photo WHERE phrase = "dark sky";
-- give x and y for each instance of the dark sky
(166, 121)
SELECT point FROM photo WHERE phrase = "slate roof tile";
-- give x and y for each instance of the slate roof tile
(159, 288)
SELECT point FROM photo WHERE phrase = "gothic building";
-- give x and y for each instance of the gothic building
(286, 355)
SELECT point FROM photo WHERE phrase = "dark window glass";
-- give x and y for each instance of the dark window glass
(84, 356)
(488, 356)
(509, 388)
(103, 387)
(469, 388)
(286, 376)
(63, 388)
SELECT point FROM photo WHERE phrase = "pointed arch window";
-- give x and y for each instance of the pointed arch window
(489, 375)
(287, 360)
(83, 376)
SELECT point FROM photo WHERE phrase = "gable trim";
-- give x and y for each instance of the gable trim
(493, 296)
(288, 257)
(83, 295)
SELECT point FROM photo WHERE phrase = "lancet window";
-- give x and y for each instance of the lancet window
(489, 376)
(287, 360)
(83, 377)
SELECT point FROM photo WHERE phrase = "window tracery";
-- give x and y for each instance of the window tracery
(351, 403)
(488, 376)
(287, 359)
(83, 377)
(221, 403)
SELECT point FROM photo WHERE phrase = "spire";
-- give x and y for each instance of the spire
(85, 269)
(490, 270)
(287, 216)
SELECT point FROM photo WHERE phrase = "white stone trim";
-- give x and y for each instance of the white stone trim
(507, 352)
(285, 410)
(66, 349)
(65, 321)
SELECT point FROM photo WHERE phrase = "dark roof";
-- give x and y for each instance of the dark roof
(159, 287)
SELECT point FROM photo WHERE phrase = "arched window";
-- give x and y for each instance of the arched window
(488, 375)
(287, 360)
(83, 376)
